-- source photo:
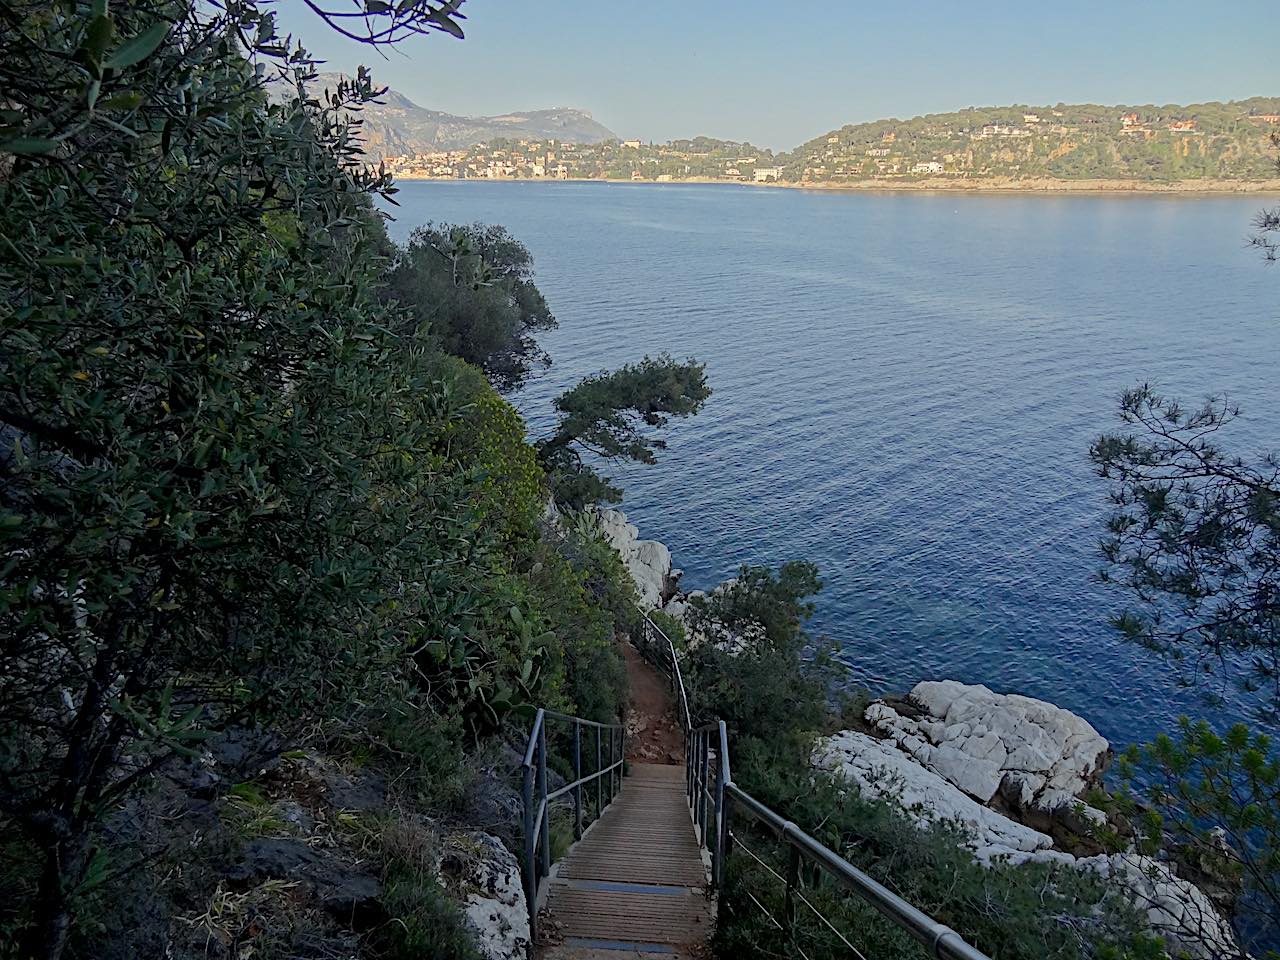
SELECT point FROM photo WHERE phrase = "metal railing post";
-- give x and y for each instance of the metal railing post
(609, 792)
(690, 739)
(702, 786)
(726, 838)
(599, 785)
(793, 879)
(530, 854)
(577, 776)
(717, 854)
(546, 812)
(722, 805)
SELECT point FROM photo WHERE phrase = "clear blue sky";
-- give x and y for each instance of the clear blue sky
(779, 73)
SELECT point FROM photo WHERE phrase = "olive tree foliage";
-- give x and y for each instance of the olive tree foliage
(383, 22)
(221, 497)
(1195, 535)
(613, 416)
(470, 289)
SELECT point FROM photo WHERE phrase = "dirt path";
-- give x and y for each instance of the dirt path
(653, 734)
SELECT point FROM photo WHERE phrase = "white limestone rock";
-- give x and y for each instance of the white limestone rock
(648, 561)
(881, 770)
(1036, 755)
(965, 747)
(1176, 910)
(487, 875)
(678, 606)
(700, 630)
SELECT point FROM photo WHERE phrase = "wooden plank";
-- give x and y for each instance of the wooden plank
(637, 878)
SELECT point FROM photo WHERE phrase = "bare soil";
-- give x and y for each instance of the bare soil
(653, 733)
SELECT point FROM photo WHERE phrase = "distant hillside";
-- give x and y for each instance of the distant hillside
(399, 127)
(1210, 141)
(1199, 146)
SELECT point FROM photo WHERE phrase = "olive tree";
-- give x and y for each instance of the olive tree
(220, 493)
(470, 290)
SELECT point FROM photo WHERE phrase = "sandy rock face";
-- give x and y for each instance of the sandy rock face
(1037, 756)
(495, 906)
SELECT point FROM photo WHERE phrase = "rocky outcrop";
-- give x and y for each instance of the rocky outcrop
(1010, 772)
(1038, 759)
(881, 770)
(657, 582)
(1176, 910)
(648, 561)
(486, 874)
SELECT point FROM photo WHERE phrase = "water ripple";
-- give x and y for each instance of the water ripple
(905, 392)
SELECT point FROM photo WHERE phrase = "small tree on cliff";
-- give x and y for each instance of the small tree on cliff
(1195, 537)
(1214, 799)
(470, 289)
(605, 416)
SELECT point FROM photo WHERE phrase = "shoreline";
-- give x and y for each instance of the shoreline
(1037, 186)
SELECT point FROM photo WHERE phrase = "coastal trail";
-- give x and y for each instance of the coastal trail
(653, 732)
(635, 885)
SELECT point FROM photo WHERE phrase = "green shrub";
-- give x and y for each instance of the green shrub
(424, 920)
(757, 669)
(1213, 800)
(488, 438)
(769, 681)
(586, 597)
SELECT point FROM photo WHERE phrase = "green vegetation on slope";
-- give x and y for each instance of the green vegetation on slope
(772, 689)
(1199, 141)
(267, 540)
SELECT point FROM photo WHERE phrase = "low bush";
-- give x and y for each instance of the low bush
(756, 668)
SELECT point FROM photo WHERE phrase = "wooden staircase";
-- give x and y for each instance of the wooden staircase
(635, 885)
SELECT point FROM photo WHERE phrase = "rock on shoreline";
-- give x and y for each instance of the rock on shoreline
(1012, 773)
(1036, 757)
(648, 561)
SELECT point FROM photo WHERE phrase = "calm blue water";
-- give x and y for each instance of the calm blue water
(906, 387)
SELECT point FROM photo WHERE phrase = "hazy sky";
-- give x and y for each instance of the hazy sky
(778, 73)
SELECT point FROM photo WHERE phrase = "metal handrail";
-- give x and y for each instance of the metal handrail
(942, 942)
(673, 667)
(537, 799)
(707, 750)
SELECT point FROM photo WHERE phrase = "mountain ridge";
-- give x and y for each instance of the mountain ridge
(394, 125)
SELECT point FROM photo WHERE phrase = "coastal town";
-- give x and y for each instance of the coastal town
(614, 159)
(1226, 141)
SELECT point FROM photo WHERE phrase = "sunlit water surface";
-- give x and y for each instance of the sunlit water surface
(906, 387)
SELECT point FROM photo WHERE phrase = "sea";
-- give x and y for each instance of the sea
(906, 386)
